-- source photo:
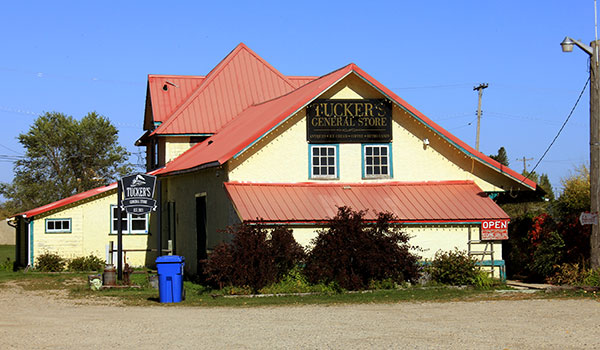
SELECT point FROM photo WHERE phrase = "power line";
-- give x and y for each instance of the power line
(561, 129)
(444, 86)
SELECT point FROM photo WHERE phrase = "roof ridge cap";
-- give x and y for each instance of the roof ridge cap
(268, 65)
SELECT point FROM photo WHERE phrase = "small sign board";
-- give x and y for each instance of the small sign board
(138, 193)
(493, 230)
(588, 218)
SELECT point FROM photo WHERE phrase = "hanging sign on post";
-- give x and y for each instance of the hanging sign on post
(588, 218)
(138, 193)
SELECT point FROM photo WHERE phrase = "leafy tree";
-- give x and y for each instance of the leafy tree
(575, 196)
(63, 157)
(501, 157)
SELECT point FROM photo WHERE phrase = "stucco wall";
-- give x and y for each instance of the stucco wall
(183, 190)
(175, 146)
(7, 233)
(90, 232)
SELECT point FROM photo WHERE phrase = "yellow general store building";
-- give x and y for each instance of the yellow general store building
(246, 143)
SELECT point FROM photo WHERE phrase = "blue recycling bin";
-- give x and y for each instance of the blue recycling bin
(170, 278)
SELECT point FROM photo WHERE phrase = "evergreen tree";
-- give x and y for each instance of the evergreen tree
(501, 157)
(546, 186)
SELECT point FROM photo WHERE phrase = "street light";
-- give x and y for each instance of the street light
(567, 46)
(592, 51)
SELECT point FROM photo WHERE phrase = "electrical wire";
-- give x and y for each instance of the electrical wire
(559, 131)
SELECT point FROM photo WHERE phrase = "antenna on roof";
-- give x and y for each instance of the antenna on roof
(167, 82)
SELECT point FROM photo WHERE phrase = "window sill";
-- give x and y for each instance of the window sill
(131, 234)
(381, 177)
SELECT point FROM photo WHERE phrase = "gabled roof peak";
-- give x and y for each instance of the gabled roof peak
(240, 80)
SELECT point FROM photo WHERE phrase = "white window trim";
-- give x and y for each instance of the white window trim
(336, 176)
(390, 171)
(129, 220)
(58, 230)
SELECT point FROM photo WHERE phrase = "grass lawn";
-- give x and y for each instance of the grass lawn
(7, 251)
(200, 296)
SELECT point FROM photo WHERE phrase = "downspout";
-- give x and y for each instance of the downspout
(30, 245)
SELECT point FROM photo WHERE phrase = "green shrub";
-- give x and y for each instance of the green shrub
(592, 277)
(548, 255)
(293, 282)
(570, 274)
(7, 265)
(453, 268)
(86, 263)
(234, 290)
(483, 280)
(50, 262)
(387, 283)
(352, 253)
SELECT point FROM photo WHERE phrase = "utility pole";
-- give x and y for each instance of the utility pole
(480, 89)
(592, 51)
(524, 160)
(594, 153)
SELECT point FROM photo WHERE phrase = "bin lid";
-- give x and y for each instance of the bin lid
(170, 259)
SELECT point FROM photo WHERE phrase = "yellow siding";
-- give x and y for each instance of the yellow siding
(183, 190)
(282, 155)
(175, 146)
(90, 232)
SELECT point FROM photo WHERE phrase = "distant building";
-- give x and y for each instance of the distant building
(246, 143)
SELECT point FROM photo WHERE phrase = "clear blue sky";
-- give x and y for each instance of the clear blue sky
(76, 57)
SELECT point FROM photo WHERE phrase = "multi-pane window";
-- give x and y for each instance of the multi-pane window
(324, 161)
(131, 223)
(58, 225)
(376, 161)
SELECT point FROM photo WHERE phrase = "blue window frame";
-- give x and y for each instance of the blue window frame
(377, 161)
(58, 226)
(324, 161)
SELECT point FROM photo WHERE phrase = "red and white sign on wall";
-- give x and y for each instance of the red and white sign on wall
(492, 230)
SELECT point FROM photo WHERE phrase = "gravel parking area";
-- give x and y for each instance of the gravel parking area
(36, 320)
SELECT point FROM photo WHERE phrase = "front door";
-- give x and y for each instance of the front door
(201, 227)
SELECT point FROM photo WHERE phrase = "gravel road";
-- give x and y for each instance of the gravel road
(36, 320)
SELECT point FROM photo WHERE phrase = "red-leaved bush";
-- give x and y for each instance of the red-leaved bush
(252, 258)
(352, 252)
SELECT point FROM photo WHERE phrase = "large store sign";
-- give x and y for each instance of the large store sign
(138, 193)
(492, 230)
(344, 121)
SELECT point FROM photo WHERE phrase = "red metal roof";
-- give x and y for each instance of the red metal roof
(250, 125)
(299, 81)
(66, 201)
(242, 79)
(255, 121)
(72, 199)
(178, 89)
(418, 202)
